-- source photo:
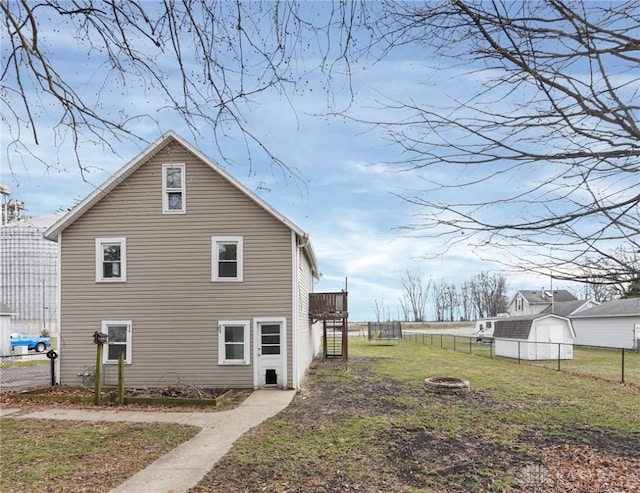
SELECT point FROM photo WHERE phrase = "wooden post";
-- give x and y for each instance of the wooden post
(121, 379)
(97, 391)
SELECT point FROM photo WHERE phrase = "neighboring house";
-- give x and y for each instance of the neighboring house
(5, 329)
(194, 278)
(535, 337)
(527, 302)
(612, 324)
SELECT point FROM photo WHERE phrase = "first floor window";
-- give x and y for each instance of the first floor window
(119, 342)
(233, 343)
(111, 259)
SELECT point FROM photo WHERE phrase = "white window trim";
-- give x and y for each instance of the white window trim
(214, 258)
(128, 351)
(247, 343)
(100, 259)
(182, 189)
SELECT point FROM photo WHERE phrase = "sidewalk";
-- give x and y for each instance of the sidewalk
(187, 464)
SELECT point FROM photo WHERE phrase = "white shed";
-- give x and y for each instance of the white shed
(537, 337)
(612, 324)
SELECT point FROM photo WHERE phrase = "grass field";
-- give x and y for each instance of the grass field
(368, 425)
(602, 363)
(74, 456)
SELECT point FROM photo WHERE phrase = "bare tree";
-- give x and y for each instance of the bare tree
(488, 294)
(452, 301)
(220, 55)
(466, 306)
(546, 148)
(405, 307)
(439, 297)
(445, 300)
(378, 309)
(415, 295)
(552, 128)
(610, 276)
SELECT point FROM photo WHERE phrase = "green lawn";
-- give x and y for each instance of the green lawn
(602, 363)
(369, 425)
(72, 456)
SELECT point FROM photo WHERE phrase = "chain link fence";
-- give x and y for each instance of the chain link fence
(25, 371)
(616, 364)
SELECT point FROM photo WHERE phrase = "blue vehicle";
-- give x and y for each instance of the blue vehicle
(40, 344)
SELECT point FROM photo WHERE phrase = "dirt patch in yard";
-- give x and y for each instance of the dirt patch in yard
(168, 398)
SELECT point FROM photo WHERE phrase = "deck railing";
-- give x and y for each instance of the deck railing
(328, 305)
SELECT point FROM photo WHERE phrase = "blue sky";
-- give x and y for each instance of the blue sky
(344, 195)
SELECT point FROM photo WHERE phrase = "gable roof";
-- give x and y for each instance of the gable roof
(100, 192)
(520, 327)
(513, 328)
(546, 296)
(565, 308)
(615, 308)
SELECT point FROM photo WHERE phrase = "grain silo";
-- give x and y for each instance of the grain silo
(28, 273)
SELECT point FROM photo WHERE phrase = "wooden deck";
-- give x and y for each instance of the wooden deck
(328, 306)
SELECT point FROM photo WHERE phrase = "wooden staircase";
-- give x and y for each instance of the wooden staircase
(331, 309)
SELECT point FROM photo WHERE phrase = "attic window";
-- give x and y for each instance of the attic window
(173, 188)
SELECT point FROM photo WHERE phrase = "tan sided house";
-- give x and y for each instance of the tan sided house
(194, 278)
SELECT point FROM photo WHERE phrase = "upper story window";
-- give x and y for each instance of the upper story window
(111, 259)
(173, 188)
(519, 304)
(226, 261)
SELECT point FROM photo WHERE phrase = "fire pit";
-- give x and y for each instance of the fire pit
(446, 385)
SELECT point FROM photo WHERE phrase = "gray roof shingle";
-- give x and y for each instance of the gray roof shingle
(615, 308)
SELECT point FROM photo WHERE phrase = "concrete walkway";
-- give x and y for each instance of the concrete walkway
(187, 464)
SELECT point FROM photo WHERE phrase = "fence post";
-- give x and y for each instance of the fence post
(518, 352)
(454, 343)
(559, 356)
(622, 365)
(97, 391)
(470, 345)
(121, 379)
(441, 346)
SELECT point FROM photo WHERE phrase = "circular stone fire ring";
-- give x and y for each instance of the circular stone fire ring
(446, 385)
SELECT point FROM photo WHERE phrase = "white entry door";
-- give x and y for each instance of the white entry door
(271, 368)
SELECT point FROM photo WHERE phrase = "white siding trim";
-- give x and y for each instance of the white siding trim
(295, 311)
(59, 307)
